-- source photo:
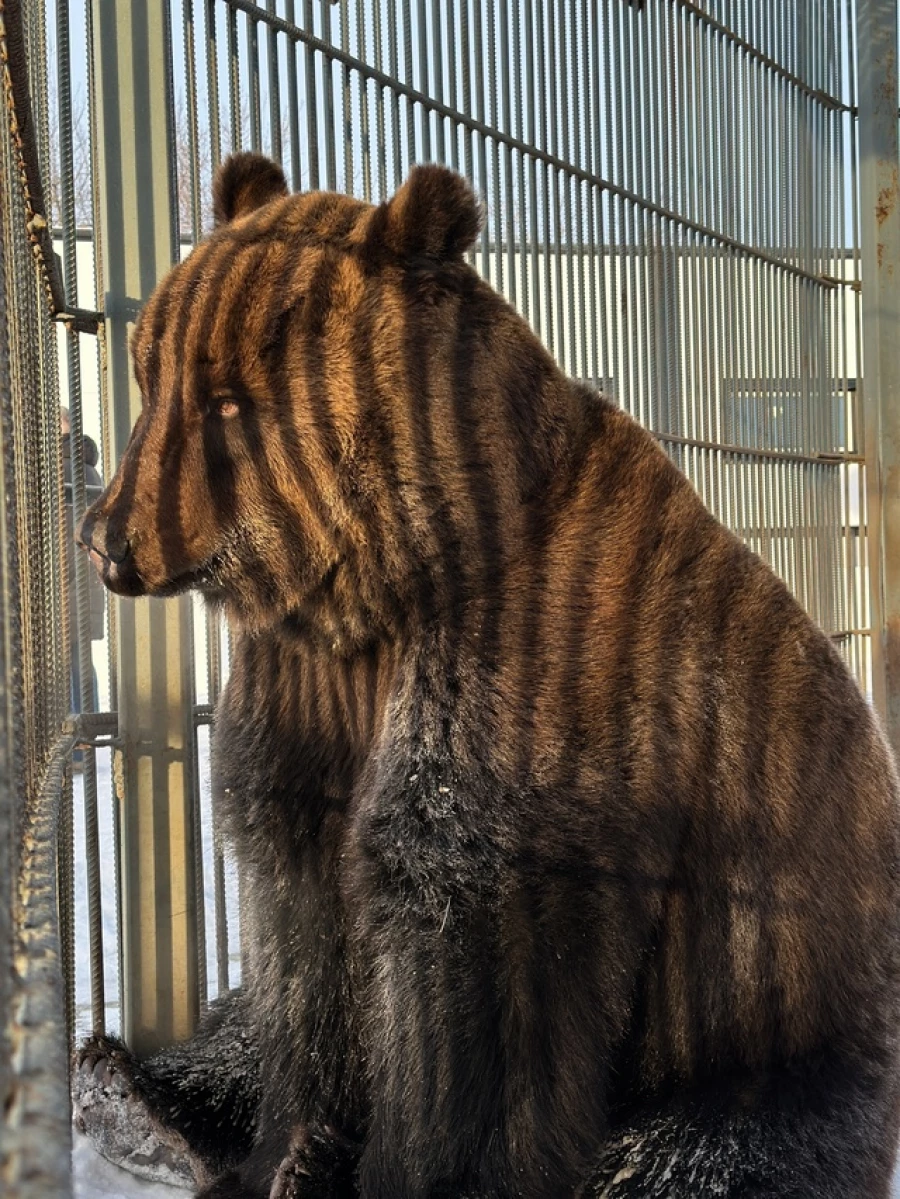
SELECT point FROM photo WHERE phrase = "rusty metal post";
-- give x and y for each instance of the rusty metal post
(159, 924)
(880, 230)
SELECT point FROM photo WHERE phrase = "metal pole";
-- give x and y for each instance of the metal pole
(9, 798)
(155, 779)
(880, 230)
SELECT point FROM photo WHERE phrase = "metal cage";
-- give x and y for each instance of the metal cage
(695, 206)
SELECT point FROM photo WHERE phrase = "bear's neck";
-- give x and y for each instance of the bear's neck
(458, 475)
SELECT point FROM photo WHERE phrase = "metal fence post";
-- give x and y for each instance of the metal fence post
(9, 832)
(156, 783)
(880, 225)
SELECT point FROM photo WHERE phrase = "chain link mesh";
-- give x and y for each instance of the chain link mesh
(35, 1136)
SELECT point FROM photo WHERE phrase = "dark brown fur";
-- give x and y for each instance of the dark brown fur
(570, 844)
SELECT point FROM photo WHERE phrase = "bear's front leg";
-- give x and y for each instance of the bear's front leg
(187, 1112)
(320, 1164)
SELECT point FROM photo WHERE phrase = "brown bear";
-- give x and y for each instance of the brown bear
(570, 846)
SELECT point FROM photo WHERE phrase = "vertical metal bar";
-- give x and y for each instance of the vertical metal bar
(880, 229)
(628, 257)
(234, 81)
(587, 200)
(105, 437)
(496, 182)
(437, 74)
(251, 31)
(10, 765)
(347, 108)
(81, 642)
(364, 132)
(644, 227)
(273, 82)
(480, 115)
(212, 84)
(568, 112)
(844, 298)
(599, 224)
(423, 82)
(653, 230)
(327, 103)
(312, 103)
(869, 578)
(612, 251)
(581, 154)
(380, 123)
(454, 47)
(409, 78)
(293, 104)
(694, 246)
(531, 234)
(190, 87)
(156, 803)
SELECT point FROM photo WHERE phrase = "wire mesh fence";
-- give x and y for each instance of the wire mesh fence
(672, 202)
(36, 847)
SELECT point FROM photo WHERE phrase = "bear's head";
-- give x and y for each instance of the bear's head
(338, 415)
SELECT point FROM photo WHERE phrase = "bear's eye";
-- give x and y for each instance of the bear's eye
(225, 404)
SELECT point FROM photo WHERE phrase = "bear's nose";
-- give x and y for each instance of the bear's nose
(95, 534)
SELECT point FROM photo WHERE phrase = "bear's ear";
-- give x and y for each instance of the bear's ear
(243, 183)
(435, 214)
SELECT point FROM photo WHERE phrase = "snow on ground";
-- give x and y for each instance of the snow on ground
(96, 1178)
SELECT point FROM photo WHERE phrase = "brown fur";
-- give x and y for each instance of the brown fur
(572, 847)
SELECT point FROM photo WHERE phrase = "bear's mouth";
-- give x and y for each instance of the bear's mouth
(206, 578)
(100, 562)
(209, 577)
(126, 579)
(120, 578)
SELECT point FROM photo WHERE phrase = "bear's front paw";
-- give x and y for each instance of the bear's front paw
(103, 1076)
(319, 1165)
(110, 1109)
(104, 1062)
